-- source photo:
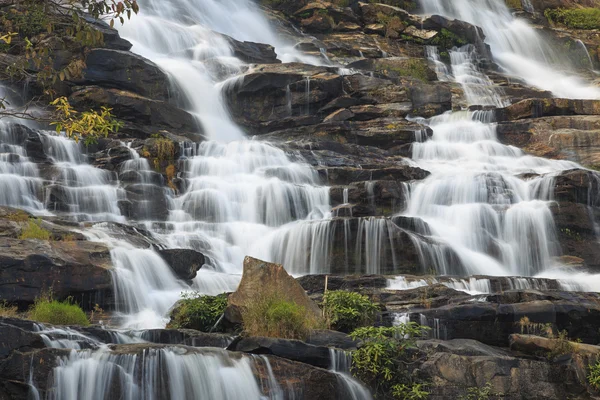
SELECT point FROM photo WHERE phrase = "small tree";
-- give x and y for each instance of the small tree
(379, 360)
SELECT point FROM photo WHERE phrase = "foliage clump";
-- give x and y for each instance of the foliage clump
(6, 310)
(575, 18)
(479, 393)
(593, 376)
(379, 360)
(34, 230)
(88, 125)
(46, 309)
(346, 311)
(271, 315)
(197, 311)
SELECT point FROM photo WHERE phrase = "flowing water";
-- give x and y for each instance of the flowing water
(516, 46)
(245, 197)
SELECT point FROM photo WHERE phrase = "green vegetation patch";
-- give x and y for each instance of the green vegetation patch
(56, 312)
(379, 360)
(270, 315)
(346, 311)
(199, 312)
(576, 18)
(34, 230)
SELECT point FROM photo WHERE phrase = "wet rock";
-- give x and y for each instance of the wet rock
(294, 350)
(124, 70)
(187, 337)
(492, 323)
(275, 91)
(185, 263)
(401, 173)
(76, 269)
(13, 338)
(536, 108)
(316, 283)
(250, 52)
(335, 339)
(145, 202)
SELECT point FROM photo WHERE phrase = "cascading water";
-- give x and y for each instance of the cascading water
(516, 46)
(496, 222)
(84, 192)
(175, 373)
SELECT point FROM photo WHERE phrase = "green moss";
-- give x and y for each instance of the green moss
(199, 312)
(446, 40)
(514, 4)
(576, 18)
(415, 68)
(34, 230)
(58, 313)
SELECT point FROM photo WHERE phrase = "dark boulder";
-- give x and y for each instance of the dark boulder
(126, 71)
(76, 269)
(294, 350)
(185, 263)
(13, 338)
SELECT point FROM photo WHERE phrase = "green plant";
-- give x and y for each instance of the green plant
(415, 391)
(55, 312)
(575, 18)
(345, 311)
(34, 230)
(6, 310)
(197, 311)
(593, 376)
(271, 315)
(378, 361)
(87, 125)
(479, 393)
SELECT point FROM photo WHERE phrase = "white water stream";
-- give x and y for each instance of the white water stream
(247, 197)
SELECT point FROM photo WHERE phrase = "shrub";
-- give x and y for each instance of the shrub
(410, 392)
(594, 375)
(34, 230)
(345, 311)
(196, 311)
(56, 312)
(478, 393)
(576, 18)
(6, 310)
(378, 361)
(270, 315)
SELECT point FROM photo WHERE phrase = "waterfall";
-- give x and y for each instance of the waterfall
(341, 361)
(516, 46)
(176, 373)
(84, 192)
(474, 202)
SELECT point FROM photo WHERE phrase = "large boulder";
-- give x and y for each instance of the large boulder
(457, 366)
(259, 275)
(126, 71)
(77, 269)
(185, 263)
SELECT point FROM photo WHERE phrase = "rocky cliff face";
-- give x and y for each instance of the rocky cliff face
(353, 119)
